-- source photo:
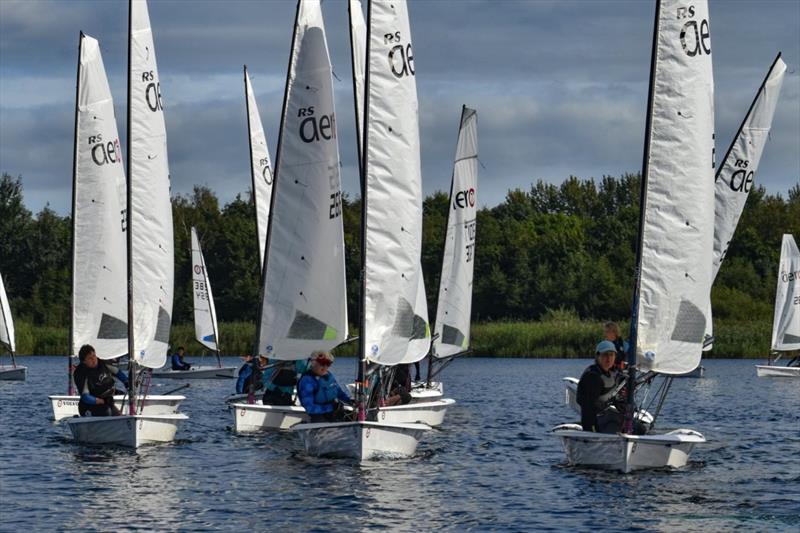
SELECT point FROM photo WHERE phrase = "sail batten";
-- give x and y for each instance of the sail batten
(149, 209)
(452, 331)
(393, 304)
(786, 321)
(99, 255)
(304, 306)
(677, 223)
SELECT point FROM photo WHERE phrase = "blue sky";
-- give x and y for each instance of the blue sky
(560, 86)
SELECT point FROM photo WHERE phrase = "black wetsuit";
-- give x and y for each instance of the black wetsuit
(594, 397)
(92, 383)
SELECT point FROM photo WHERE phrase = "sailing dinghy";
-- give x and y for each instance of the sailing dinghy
(7, 338)
(206, 330)
(304, 299)
(786, 321)
(394, 325)
(150, 250)
(673, 281)
(99, 302)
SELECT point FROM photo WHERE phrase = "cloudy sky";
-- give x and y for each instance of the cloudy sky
(560, 86)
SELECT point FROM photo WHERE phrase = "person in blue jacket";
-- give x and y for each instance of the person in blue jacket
(95, 382)
(319, 393)
(177, 360)
(279, 387)
(251, 374)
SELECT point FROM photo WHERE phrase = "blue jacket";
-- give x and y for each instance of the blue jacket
(245, 372)
(318, 394)
(178, 364)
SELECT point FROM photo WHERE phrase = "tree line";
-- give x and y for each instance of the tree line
(568, 247)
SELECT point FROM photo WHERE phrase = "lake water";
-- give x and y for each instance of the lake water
(493, 466)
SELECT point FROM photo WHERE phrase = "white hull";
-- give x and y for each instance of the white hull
(67, 406)
(626, 453)
(248, 418)
(13, 373)
(420, 392)
(130, 431)
(430, 413)
(362, 441)
(200, 372)
(774, 371)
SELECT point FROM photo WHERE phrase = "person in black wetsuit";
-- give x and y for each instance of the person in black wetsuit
(596, 391)
(94, 380)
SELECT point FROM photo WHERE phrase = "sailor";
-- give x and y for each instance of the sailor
(319, 393)
(279, 387)
(597, 389)
(611, 333)
(177, 360)
(251, 374)
(94, 380)
(399, 393)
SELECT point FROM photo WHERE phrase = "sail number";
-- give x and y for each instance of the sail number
(401, 57)
(152, 91)
(336, 205)
(695, 39)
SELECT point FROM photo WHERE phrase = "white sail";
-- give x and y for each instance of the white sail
(150, 211)
(786, 323)
(305, 304)
(396, 323)
(99, 254)
(358, 44)
(736, 175)
(678, 227)
(455, 288)
(261, 166)
(6, 322)
(205, 315)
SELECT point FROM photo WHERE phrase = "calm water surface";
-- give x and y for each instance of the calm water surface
(492, 466)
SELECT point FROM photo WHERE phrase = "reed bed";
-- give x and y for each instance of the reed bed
(557, 335)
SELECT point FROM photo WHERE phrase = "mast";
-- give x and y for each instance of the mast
(129, 226)
(257, 348)
(252, 163)
(71, 350)
(362, 347)
(631, 400)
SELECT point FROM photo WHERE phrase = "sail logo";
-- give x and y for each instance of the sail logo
(152, 91)
(313, 127)
(464, 198)
(786, 277)
(694, 38)
(742, 179)
(401, 57)
(266, 172)
(103, 153)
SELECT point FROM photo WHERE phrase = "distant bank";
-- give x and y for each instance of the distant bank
(554, 338)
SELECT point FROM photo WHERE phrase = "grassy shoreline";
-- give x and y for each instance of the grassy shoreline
(556, 337)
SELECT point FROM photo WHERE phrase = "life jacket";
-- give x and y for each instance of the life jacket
(609, 380)
(100, 380)
(619, 361)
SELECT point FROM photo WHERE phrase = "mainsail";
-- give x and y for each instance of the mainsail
(260, 166)
(99, 256)
(304, 304)
(6, 322)
(205, 315)
(736, 175)
(150, 242)
(455, 286)
(786, 323)
(395, 321)
(677, 226)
